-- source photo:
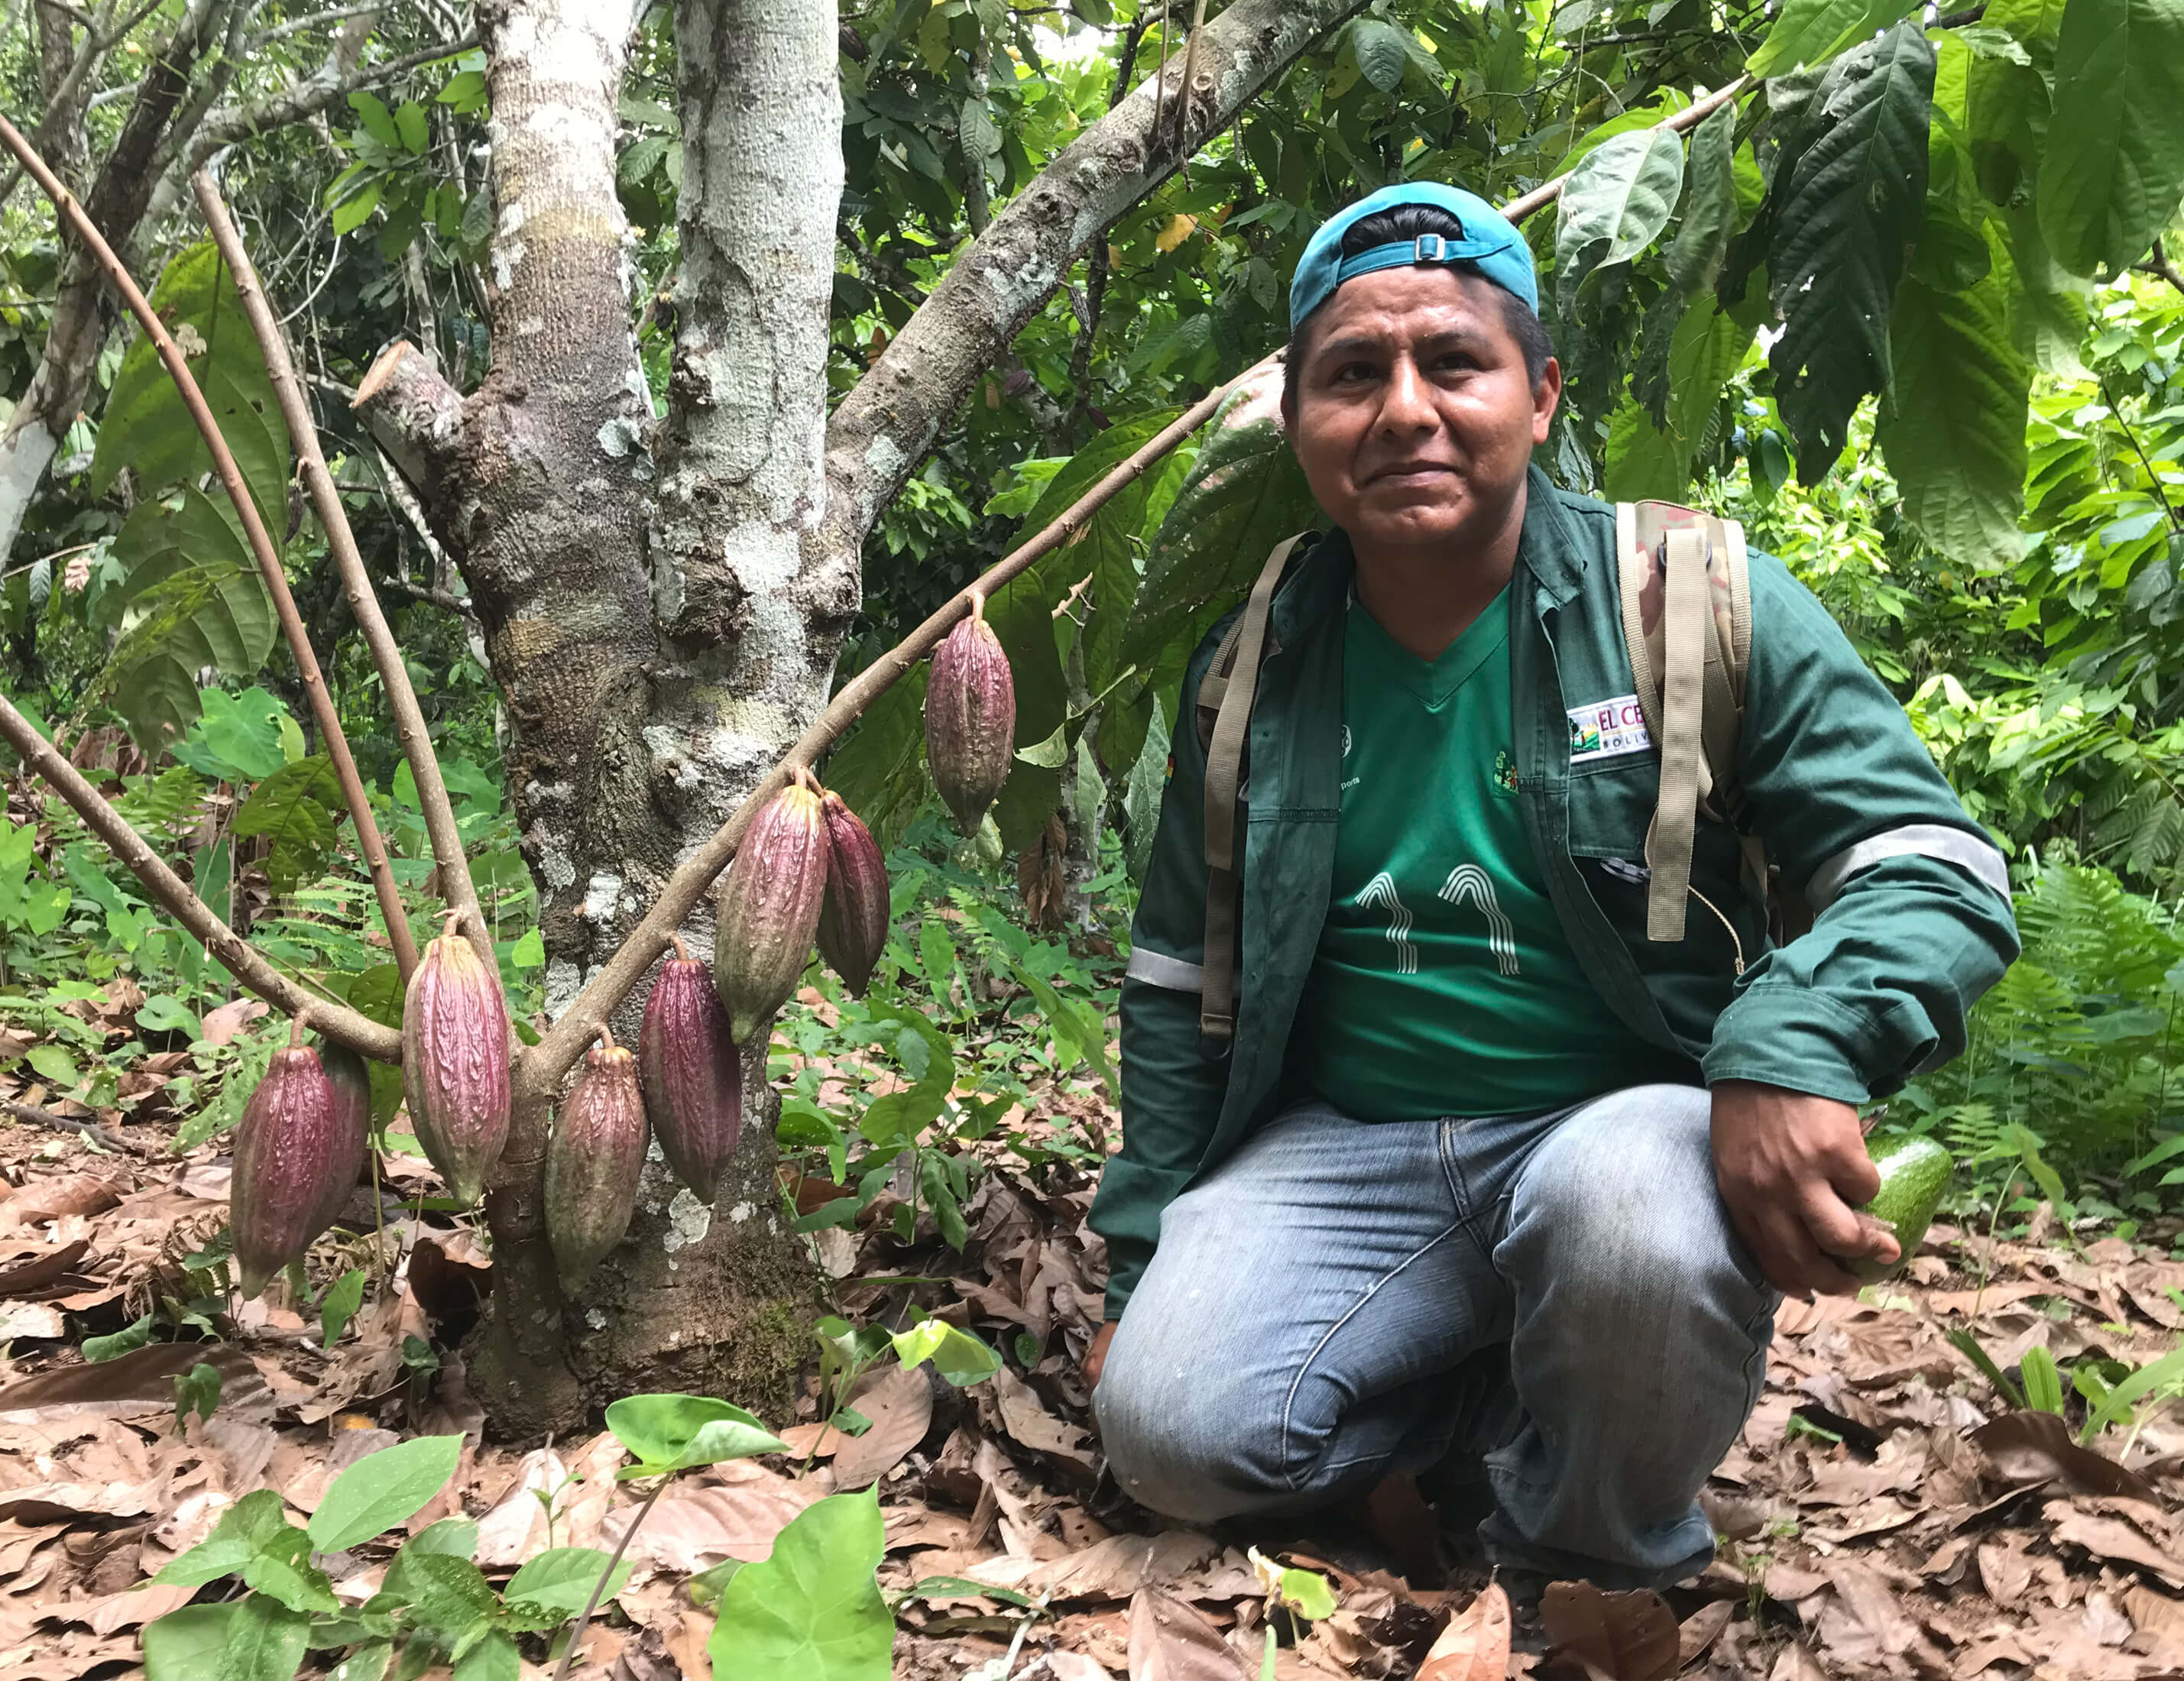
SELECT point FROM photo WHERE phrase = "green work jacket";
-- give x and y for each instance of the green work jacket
(1912, 914)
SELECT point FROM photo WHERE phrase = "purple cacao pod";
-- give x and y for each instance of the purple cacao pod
(283, 1147)
(970, 719)
(594, 1160)
(691, 1072)
(350, 1077)
(455, 1062)
(769, 910)
(853, 922)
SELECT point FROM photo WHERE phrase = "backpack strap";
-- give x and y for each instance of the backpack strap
(1686, 601)
(1237, 664)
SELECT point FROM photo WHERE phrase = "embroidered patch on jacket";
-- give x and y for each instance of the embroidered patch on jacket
(1607, 729)
(1504, 778)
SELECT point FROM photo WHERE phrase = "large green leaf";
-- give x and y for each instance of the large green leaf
(671, 1433)
(146, 429)
(879, 768)
(1694, 258)
(2114, 168)
(383, 1489)
(812, 1610)
(1854, 204)
(190, 596)
(1953, 423)
(186, 1644)
(296, 807)
(1645, 458)
(1616, 203)
(2006, 112)
(1813, 32)
(1244, 494)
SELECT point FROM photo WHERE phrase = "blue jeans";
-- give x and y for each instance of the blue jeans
(1560, 1295)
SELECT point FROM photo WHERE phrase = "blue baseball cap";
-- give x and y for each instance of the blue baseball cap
(1490, 247)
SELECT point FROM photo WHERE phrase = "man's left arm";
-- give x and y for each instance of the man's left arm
(1913, 925)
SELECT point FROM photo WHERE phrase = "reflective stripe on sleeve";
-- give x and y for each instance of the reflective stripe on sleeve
(1967, 851)
(1157, 970)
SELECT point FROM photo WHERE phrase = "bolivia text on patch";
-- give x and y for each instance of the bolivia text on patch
(1607, 729)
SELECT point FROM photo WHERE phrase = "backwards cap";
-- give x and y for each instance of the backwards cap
(1490, 247)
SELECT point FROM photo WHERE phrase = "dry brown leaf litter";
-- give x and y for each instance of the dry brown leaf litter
(1939, 1536)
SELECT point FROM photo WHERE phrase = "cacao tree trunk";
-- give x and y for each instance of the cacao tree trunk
(663, 601)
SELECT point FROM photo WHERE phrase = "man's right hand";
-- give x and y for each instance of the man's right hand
(1095, 1357)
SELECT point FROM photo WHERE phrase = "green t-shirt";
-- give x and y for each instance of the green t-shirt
(1443, 984)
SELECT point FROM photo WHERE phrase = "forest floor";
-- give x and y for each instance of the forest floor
(1884, 1513)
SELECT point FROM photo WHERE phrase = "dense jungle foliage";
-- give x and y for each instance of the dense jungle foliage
(1970, 440)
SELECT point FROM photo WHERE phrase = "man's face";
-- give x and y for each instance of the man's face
(1413, 419)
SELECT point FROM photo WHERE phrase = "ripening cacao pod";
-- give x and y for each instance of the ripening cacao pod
(970, 719)
(455, 1062)
(769, 910)
(282, 1147)
(351, 1080)
(853, 922)
(595, 1159)
(691, 1072)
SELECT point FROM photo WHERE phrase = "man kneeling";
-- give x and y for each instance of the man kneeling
(1483, 1181)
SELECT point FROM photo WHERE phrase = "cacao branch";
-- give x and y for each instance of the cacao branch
(540, 1067)
(261, 544)
(455, 870)
(337, 1021)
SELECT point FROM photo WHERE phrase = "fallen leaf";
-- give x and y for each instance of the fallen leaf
(1118, 1568)
(900, 1404)
(2158, 1617)
(1796, 1664)
(2036, 1447)
(1030, 1423)
(224, 1021)
(695, 1528)
(2004, 1572)
(1169, 1641)
(1475, 1644)
(1629, 1636)
(25, 1277)
(64, 1195)
(1701, 1629)
(2110, 1538)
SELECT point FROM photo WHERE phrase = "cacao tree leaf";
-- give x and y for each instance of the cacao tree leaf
(1646, 458)
(812, 1609)
(670, 1433)
(1382, 53)
(1695, 256)
(879, 767)
(2051, 307)
(1813, 32)
(1855, 203)
(1623, 194)
(1245, 492)
(145, 427)
(1951, 424)
(383, 1489)
(2113, 168)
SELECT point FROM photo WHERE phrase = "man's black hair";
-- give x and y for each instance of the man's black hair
(1408, 222)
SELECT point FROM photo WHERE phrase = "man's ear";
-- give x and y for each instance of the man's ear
(1547, 396)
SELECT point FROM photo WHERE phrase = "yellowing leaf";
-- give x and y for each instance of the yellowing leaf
(1179, 228)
